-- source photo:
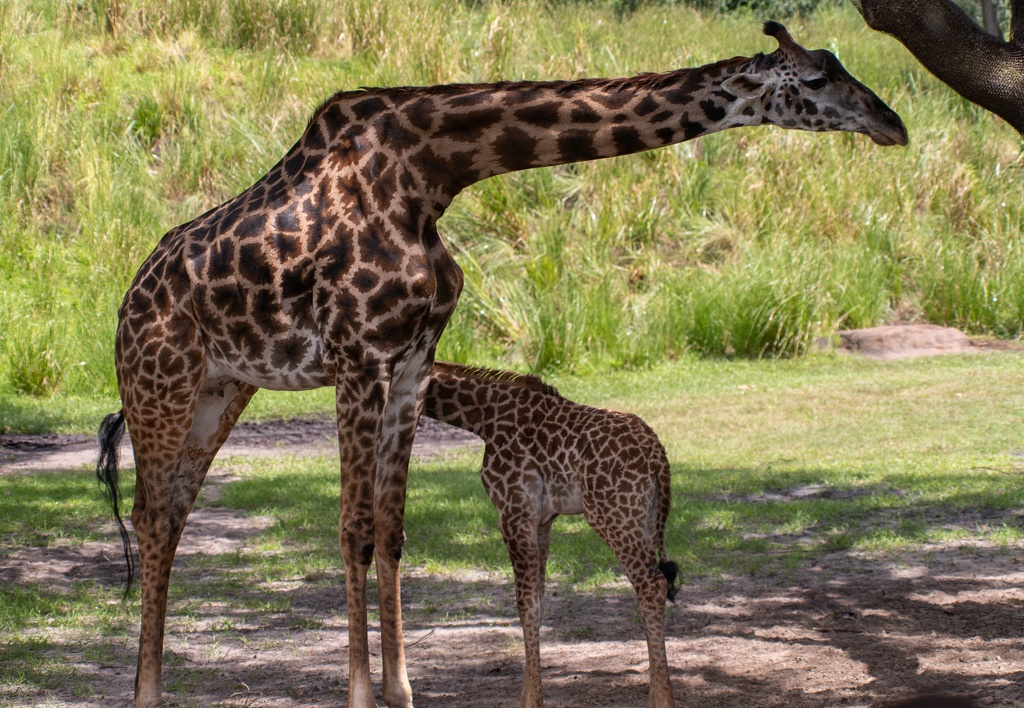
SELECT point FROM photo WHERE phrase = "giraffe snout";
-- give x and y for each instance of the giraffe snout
(888, 128)
(892, 132)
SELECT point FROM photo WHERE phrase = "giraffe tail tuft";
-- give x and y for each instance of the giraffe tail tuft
(670, 569)
(110, 433)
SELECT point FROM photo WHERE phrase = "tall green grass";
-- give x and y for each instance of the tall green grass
(117, 124)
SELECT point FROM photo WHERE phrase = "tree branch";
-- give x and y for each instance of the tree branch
(990, 17)
(978, 66)
(1017, 21)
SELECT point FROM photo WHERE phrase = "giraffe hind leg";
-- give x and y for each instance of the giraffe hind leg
(638, 556)
(171, 463)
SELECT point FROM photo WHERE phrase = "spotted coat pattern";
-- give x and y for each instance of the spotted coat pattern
(545, 456)
(329, 271)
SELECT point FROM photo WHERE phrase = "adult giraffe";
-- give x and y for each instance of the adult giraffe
(329, 271)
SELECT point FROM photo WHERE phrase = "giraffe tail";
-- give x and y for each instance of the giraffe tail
(110, 433)
(668, 568)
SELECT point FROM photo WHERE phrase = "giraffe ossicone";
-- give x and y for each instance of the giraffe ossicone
(329, 271)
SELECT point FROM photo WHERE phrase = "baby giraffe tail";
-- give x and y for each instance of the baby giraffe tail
(670, 569)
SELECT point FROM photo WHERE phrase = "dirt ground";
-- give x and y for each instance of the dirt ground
(850, 630)
(310, 436)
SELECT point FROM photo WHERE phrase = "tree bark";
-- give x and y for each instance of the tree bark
(978, 66)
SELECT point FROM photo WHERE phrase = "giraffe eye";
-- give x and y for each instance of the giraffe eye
(815, 84)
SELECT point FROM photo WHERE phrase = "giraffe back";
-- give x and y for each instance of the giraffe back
(547, 455)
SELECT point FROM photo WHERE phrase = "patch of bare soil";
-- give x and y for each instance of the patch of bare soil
(309, 435)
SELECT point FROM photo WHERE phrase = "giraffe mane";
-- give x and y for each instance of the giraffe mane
(527, 381)
(644, 80)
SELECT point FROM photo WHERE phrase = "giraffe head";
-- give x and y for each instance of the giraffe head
(810, 90)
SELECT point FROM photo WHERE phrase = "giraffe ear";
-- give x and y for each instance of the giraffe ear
(747, 86)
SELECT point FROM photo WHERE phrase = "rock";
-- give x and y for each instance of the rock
(904, 341)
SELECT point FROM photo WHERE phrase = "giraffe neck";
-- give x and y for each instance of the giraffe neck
(541, 125)
(449, 137)
(478, 400)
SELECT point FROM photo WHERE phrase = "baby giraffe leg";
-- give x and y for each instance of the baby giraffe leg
(639, 560)
(651, 591)
(520, 537)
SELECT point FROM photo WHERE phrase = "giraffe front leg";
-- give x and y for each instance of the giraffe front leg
(397, 689)
(520, 536)
(361, 399)
(401, 415)
(360, 692)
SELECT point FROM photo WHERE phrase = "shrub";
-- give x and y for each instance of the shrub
(773, 305)
(762, 8)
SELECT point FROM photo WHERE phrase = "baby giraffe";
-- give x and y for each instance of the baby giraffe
(546, 456)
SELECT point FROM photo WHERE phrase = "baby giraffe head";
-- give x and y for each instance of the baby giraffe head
(810, 90)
